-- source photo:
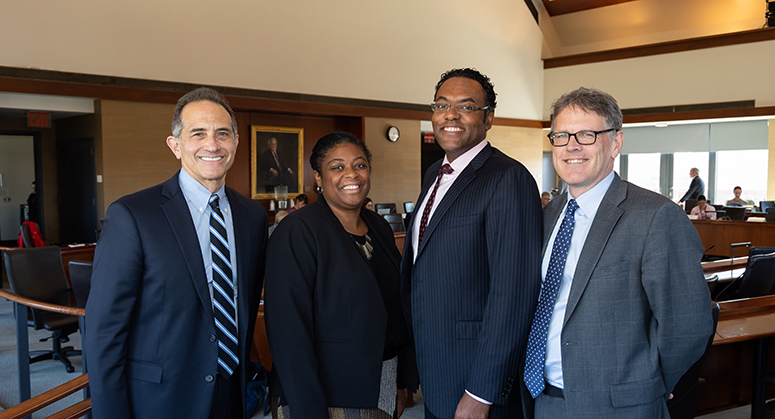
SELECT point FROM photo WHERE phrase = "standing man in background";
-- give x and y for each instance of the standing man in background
(176, 282)
(696, 188)
(470, 267)
(624, 309)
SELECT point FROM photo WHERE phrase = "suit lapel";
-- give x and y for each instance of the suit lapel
(552, 212)
(178, 215)
(468, 175)
(607, 216)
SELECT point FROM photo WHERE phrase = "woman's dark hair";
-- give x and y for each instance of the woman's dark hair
(302, 198)
(366, 202)
(701, 198)
(326, 143)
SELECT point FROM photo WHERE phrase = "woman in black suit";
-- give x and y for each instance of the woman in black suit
(333, 311)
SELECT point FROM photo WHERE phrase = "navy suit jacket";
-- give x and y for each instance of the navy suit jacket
(471, 293)
(150, 335)
(696, 188)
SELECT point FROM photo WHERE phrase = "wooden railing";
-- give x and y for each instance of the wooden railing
(29, 405)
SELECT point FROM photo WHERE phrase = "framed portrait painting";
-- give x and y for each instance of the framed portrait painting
(277, 155)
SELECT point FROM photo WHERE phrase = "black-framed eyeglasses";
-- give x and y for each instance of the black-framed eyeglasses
(583, 137)
(466, 108)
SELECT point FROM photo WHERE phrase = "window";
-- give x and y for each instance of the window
(744, 168)
(643, 170)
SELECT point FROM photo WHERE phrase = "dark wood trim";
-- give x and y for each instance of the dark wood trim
(692, 115)
(561, 7)
(116, 88)
(755, 35)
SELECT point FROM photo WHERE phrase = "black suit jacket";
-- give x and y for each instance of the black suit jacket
(325, 315)
(150, 341)
(471, 293)
(696, 188)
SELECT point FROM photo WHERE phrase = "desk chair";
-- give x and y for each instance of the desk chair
(26, 236)
(757, 281)
(383, 209)
(711, 280)
(760, 250)
(408, 207)
(763, 205)
(80, 277)
(396, 222)
(37, 273)
(689, 204)
(770, 216)
(683, 405)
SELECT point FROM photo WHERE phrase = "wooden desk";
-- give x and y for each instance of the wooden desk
(400, 240)
(743, 331)
(724, 265)
(723, 233)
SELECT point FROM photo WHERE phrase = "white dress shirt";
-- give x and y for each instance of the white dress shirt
(588, 203)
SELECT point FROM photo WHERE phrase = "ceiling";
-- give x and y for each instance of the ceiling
(561, 7)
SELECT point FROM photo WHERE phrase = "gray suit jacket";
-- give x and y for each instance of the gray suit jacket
(638, 314)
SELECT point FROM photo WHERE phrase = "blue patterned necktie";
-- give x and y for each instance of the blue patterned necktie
(536, 343)
(224, 307)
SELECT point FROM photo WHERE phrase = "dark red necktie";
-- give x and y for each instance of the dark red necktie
(279, 166)
(426, 213)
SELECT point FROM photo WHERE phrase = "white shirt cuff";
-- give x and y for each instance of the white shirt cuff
(479, 399)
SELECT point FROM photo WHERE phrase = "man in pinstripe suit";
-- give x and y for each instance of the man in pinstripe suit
(628, 312)
(470, 268)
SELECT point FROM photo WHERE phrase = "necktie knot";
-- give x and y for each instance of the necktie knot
(213, 201)
(446, 169)
(572, 207)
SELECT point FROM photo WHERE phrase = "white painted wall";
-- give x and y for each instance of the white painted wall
(731, 73)
(17, 167)
(379, 50)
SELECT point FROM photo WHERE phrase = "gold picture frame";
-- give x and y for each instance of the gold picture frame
(288, 155)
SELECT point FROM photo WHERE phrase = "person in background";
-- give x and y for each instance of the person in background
(737, 201)
(301, 201)
(339, 341)
(624, 309)
(696, 188)
(277, 218)
(368, 204)
(545, 198)
(32, 205)
(177, 281)
(702, 210)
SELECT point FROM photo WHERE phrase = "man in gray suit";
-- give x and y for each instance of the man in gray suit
(624, 310)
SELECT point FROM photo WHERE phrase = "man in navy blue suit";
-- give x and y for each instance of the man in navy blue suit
(471, 262)
(177, 281)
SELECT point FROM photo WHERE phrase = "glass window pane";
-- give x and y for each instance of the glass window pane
(682, 164)
(744, 168)
(643, 170)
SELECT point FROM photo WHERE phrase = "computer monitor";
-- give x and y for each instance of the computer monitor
(385, 208)
(735, 213)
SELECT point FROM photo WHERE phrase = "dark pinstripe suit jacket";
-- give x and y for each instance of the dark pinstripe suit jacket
(471, 293)
(638, 313)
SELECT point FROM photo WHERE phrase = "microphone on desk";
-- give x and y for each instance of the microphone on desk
(711, 247)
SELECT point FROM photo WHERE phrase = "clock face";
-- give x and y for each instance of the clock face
(393, 134)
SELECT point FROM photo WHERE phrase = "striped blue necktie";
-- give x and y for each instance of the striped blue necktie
(224, 306)
(536, 342)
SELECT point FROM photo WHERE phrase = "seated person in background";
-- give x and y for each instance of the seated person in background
(545, 198)
(277, 218)
(702, 210)
(368, 204)
(739, 202)
(301, 201)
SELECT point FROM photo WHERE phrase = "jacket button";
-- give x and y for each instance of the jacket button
(209, 378)
(213, 338)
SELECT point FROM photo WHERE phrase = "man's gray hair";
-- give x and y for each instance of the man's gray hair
(591, 101)
(202, 93)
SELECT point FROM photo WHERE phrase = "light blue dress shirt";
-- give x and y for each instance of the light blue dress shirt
(588, 202)
(198, 198)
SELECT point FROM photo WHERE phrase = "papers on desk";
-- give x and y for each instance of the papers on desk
(756, 219)
(693, 216)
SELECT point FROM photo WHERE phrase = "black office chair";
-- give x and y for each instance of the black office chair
(758, 279)
(408, 207)
(26, 236)
(689, 204)
(763, 205)
(383, 209)
(37, 273)
(683, 405)
(396, 222)
(735, 213)
(711, 280)
(760, 250)
(80, 278)
(770, 216)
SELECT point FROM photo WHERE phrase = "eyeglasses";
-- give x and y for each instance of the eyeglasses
(584, 137)
(465, 108)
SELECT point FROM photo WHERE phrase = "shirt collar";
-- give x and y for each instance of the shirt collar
(462, 161)
(196, 193)
(590, 200)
